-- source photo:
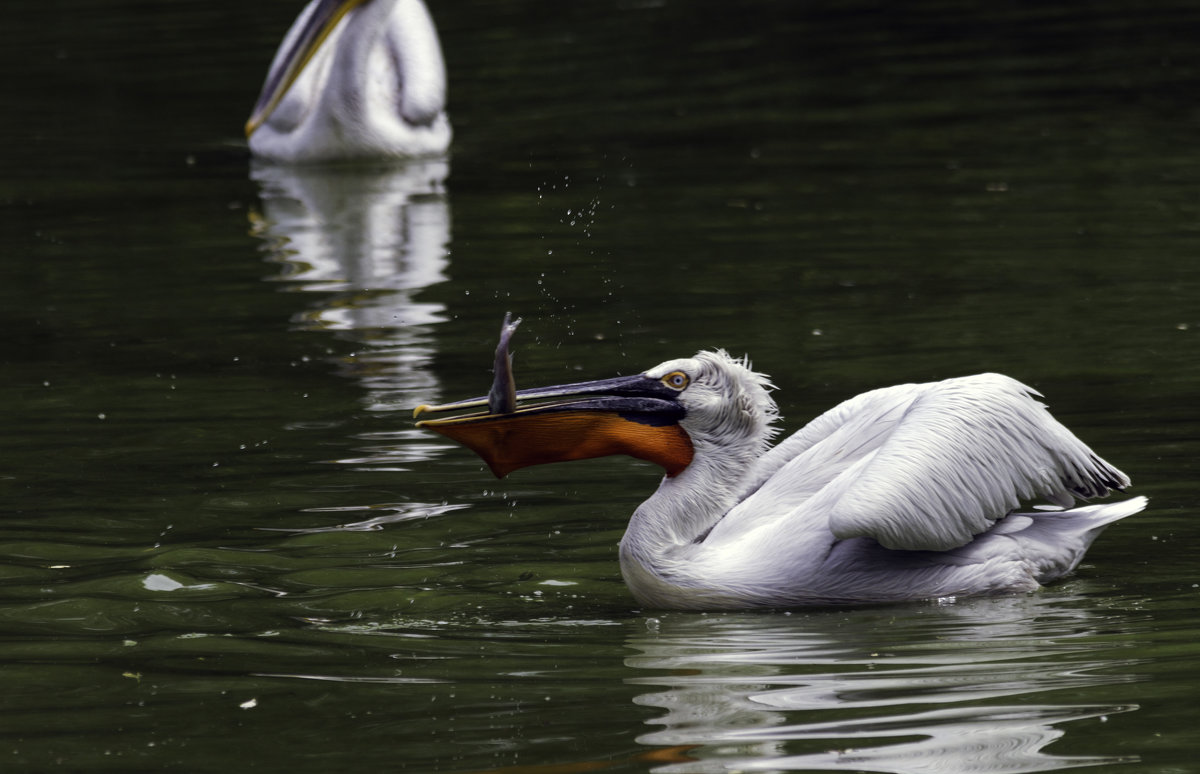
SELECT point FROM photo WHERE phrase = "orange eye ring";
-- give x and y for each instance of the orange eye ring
(676, 380)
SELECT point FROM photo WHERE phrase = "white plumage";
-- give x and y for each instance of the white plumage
(900, 493)
(354, 81)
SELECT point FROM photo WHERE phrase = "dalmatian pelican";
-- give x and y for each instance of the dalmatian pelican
(353, 80)
(902, 493)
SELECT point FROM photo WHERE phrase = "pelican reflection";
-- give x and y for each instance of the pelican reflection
(986, 686)
(364, 243)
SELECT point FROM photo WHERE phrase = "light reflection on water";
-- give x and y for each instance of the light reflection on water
(962, 688)
(364, 242)
(387, 513)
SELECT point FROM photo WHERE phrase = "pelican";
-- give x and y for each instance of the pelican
(353, 80)
(902, 493)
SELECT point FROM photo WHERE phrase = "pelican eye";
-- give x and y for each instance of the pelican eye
(676, 380)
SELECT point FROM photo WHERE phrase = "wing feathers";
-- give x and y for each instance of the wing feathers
(964, 454)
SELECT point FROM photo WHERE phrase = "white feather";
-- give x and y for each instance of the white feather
(376, 88)
(899, 493)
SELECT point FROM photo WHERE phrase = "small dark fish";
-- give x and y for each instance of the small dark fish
(502, 399)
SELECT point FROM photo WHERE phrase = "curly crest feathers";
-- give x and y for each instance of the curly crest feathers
(729, 402)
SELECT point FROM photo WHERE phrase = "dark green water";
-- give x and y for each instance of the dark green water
(224, 546)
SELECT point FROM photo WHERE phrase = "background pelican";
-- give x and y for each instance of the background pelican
(354, 79)
(901, 493)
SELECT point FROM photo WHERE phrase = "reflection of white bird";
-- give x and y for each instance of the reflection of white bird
(747, 692)
(354, 79)
(901, 493)
(364, 242)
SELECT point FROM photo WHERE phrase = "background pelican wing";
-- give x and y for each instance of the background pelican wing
(354, 80)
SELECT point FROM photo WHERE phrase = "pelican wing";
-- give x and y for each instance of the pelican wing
(930, 466)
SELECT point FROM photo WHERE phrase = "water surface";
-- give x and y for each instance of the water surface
(223, 543)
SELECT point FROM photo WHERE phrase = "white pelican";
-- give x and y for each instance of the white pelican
(354, 80)
(902, 493)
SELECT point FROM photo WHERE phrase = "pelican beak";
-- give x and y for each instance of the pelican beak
(304, 43)
(633, 415)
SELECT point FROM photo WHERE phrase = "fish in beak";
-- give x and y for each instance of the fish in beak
(503, 396)
(634, 415)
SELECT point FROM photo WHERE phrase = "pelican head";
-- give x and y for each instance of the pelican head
(353, 79)
(664, 415)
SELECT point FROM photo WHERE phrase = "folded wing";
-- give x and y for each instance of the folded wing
(927, 466)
